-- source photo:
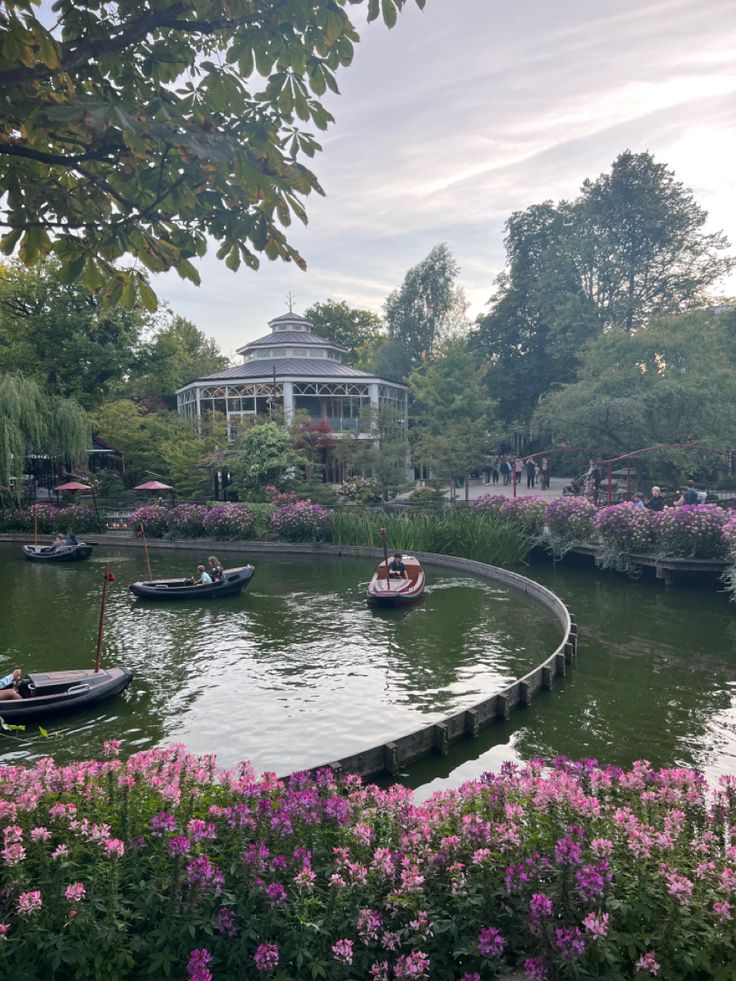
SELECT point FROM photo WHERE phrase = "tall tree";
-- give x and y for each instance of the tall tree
(177, 353)
(674, 382)
(350, 327)
(145, 128)
(454, 414)
(31, 420)
(642, 244)
(428, 306)
(61, 335)
(631, 246)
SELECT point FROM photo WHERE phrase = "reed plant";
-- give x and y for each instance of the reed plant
(464, 532)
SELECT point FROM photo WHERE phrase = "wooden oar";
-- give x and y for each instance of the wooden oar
(385, 558)
(35, 529)
(148, 557)
(106, 578)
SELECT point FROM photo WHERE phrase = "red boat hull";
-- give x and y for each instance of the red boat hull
(392, 591)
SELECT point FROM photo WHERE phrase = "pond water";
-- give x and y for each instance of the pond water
(294, 672)
(298, 670)
(655, 679)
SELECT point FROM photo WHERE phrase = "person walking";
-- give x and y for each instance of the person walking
(518, 468)
(531, 473)
(544, 473)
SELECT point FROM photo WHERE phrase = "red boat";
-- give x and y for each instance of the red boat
(391, 590)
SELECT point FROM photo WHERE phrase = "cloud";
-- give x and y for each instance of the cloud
(470, 110)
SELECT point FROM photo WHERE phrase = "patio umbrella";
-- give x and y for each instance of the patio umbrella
(72, 485)
(153, 485)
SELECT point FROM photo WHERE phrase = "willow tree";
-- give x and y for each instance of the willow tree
(33, 422)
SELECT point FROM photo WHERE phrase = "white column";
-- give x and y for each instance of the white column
(288, 401)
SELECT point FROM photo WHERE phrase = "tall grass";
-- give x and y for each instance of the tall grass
(470, 534)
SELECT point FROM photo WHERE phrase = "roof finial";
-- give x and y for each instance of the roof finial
(291, 299)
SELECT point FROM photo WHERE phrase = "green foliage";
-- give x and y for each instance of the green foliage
(176, 354)
(428, 307)
(672, 382)
(262, 456)
(59, 333)
(631, 246)
(160, 442)
(452, 531)
(143, 129)
(32, 421)
(453, 414)
(349, 327)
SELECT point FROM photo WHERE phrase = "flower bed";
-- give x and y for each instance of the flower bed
(76, 517)
(692, 531)
(186, 520)
(152, 517)
(626, 528)
(156, 866)
(570, 519)
(490, 503)
(42, 516)
(226, 521)
(301, 522)
(527, 512)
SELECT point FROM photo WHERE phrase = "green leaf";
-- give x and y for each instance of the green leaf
(93, 278)
(390, 12)
(147, 296)
(10, 240)
(43, 732)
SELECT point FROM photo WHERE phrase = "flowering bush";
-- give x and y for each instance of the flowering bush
(729, 534)
(490, 503)
(75, 517)
(158, 864)
(152, 517)
(626, 528)
(361, 490)
(186, 520)
(527, 512)
(692, 530)
(570, 519)
(279, 498)
(301, 522)
(44, 515)
(228, 521)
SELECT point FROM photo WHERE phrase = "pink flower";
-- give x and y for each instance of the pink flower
(114, 846)
(342, 951)
(4, 927)
(61, 851)
(413, 965)
(40, 834)
(596, 924)
(30, 902)
(13, 854)
(111, 747)
(647, 962)
(722, 910)
(75, 892)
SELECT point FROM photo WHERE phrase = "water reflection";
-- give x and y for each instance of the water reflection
(295, 671)
(655, 679)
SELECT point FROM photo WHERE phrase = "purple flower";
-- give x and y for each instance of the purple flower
(197, 965)
(490, 942)
(569, 941)
(276, 894)
(342, 951)
(178, 846)
(203, 874)
(266, 957)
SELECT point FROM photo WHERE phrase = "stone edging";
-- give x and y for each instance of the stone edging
(391, 757)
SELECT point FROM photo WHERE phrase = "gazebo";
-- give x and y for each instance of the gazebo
(294, 369)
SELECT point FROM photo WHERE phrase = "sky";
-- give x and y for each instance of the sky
(470, 110)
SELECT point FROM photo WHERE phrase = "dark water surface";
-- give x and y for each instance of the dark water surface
(655, 679)
(294, 672)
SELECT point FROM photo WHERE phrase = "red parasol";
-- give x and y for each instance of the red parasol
(72, 485)
(153, 485)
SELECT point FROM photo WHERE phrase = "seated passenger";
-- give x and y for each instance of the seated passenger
(8, 694)
(204, 577)
(396, 568)
(216, 570)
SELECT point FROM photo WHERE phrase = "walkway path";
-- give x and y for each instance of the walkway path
(477, 489)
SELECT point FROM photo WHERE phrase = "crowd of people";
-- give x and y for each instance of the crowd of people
(506, 469)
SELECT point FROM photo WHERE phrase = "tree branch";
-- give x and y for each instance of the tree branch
(54, 159)
(75, 53)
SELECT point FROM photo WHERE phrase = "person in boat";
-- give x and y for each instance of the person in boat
(203, 577)
(7, 690)
(58, 542)
(396, 568)
(216, 570)
(71, 539)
